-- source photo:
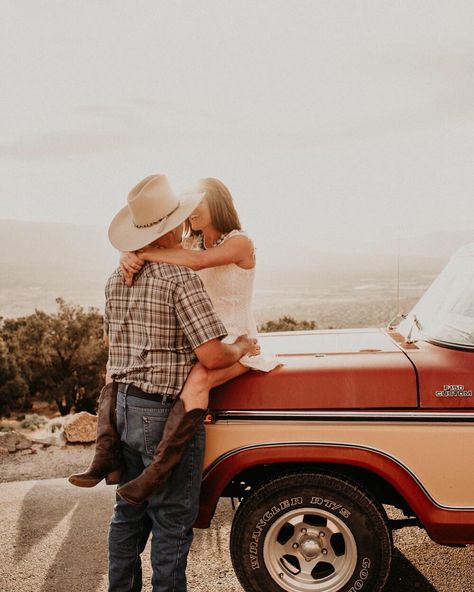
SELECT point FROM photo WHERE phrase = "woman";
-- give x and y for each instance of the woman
(223, 256)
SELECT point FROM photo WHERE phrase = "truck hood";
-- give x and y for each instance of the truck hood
(303, 343)
(337, 369)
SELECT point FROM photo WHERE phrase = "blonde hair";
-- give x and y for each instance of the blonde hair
(224, 216)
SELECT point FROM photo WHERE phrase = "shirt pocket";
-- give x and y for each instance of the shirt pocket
(153, 427)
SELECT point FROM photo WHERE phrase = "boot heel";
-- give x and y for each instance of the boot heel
(113, 478)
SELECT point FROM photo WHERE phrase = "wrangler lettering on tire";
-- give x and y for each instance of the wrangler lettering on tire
(311, 532)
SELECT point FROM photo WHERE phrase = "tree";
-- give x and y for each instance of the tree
(287, 323)
(76, 356)
(25, 337)
(13, 387)
(62, 356)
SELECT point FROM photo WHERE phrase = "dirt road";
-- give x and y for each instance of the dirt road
(54, 539)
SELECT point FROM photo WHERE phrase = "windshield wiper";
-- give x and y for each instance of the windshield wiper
(399, 315)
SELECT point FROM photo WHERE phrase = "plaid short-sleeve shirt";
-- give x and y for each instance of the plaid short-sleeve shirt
(154, 326)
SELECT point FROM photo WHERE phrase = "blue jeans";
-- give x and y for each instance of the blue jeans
(169, 515)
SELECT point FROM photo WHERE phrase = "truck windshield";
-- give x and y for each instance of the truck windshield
(446, 312)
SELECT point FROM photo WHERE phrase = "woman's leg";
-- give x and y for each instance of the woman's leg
(107, 456)
(195, 393)
(184, 420)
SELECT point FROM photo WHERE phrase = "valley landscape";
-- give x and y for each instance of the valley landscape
(43, 261)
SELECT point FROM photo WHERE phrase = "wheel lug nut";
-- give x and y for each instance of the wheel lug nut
(304, 531)
(295, 545)
(281, 575)
(322, 534)
(324, 551)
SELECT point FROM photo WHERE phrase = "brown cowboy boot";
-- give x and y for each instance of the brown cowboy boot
(180, 427)
(106, 461)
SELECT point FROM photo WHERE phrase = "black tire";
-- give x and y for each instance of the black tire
(343, 541)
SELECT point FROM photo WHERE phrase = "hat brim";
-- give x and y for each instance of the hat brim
(125, 236)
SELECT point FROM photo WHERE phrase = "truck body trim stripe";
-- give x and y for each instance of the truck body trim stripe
(307, 443)
(363, 416)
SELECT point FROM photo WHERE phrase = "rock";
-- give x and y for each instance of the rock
(14, 441)
(56, 439)
(4, 451)
(40, 442)
(24, 444)
(55, 424)
(26, 451)
(80, 427)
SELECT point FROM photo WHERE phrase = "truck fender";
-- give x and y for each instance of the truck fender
(445, 525)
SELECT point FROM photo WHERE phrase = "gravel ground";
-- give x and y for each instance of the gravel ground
(63, 547)
(46, 463)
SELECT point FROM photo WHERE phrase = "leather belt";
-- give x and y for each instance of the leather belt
(134, 391)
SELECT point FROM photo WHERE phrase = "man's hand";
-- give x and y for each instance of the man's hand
(251, 346)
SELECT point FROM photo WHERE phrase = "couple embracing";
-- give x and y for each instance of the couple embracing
(178, 322)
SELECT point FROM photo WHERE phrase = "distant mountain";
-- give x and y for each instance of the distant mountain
(426, 254)
(41, 261)
(426, 247)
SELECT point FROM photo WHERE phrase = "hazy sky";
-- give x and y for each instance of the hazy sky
(329, 120)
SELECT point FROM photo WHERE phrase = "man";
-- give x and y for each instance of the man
(157, 329)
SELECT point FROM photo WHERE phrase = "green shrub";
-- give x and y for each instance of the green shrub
(55, 425)
(287, 323)
(33, 422)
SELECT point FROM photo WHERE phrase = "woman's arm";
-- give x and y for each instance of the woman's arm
(130, 264)
(237, 249)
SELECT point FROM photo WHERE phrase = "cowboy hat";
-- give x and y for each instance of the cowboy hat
(152, 211)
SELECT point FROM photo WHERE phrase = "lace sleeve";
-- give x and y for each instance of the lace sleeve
(237, 233)
(241, 233)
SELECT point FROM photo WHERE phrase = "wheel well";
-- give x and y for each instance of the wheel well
(244, 483)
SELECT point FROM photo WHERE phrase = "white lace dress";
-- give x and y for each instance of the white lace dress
(230, 289)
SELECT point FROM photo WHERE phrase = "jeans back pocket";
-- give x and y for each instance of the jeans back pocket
(153, 427)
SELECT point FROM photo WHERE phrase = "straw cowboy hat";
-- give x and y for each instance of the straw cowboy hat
(152, 211)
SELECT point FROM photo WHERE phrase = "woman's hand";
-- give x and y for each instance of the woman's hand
(130, 263)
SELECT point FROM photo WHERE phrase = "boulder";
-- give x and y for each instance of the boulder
(14, 441)
(80, 427)
(45, 440)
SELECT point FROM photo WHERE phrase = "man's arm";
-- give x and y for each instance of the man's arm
(204, 330)
(214, 354)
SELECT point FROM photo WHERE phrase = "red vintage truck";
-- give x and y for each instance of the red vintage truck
(353, 422)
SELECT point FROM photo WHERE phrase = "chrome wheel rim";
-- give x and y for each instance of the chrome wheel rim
(310, 549)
